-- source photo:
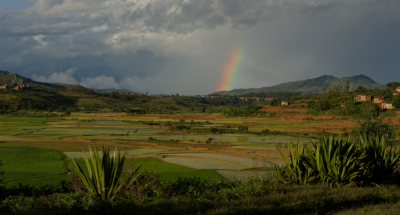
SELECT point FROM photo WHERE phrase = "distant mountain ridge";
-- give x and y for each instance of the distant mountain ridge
(311, 85)
(11, 78)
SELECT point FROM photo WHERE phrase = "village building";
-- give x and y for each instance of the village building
(4, 87)
(140, 94)
(284, 103)
(269, 99)
(395, 93)
(398, 89)
(387, 105)
(378, 99)
(362, 98)
(17, 87)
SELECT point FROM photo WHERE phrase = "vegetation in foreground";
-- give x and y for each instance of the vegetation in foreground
(331, 176)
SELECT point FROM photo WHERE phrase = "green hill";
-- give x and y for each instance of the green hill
(311, 85)
(11, 78)
(110, 90)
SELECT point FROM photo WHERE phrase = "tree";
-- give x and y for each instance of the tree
(361, 89)
(392, 85)
(274, 102)
(396, 104)
(214, 130)
(347, 87)
(243, 128)
(375, 128)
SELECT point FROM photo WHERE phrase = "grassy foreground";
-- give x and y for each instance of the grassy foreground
(219, 198)
(39, 167)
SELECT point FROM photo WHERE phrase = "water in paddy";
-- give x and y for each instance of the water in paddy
(30, 129)
(110, 123)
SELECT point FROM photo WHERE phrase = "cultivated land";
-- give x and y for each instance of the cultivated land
(147, 137)
(197, 147)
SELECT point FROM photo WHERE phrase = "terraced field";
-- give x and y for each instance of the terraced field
(232, 154)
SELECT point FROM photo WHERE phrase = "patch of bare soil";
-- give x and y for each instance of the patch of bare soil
(80, 140)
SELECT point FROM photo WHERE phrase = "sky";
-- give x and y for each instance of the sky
(196, 47)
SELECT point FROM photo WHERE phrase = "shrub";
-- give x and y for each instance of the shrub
(339, 163)
(1, 173)
(104, 174)
(375, 128)
(243, 128)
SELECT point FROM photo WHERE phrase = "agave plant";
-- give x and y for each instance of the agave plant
(104, 174)
(294, 171)
(340, 163)
(335, 162)
(382, 163)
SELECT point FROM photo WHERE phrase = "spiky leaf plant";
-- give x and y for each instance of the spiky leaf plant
(104, 174)
(335, 162)
(340, 163)
(294, 171)
(382, 162)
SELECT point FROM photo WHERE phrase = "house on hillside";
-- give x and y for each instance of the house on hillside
(378, 99)
(362, 98)
(4, 87)
(18, 87)
(387, 105)
(284, 103)
(395, 93)
(398, 89)
(140, 94)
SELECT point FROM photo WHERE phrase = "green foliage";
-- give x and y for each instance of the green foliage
(32, 166)
(243, 128)
(104, 174)
(375, 128)
(274, 102)
(392, 85)
(1, 173)
(339, 163)
(250, 110)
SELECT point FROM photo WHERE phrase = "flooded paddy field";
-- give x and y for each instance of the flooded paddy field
(198, 146)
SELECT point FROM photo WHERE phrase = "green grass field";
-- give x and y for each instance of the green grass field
(33, 166)
(39, 167)
(164, 170)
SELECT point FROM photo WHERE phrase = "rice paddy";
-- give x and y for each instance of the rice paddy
(227, 155)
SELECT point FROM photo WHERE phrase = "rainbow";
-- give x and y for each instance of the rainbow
(231, 68)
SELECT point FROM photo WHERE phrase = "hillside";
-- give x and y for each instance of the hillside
(311, 85)
(110, 90)
(11, 78)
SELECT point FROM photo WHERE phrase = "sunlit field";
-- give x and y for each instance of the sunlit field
(197, 152)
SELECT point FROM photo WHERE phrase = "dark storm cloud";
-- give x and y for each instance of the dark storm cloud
(181, 46)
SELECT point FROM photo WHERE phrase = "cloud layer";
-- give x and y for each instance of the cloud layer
(181, 46)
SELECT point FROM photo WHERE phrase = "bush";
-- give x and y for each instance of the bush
(104, 174)
(375, 128)
(243, 128)
(339, 163)
(1, 173)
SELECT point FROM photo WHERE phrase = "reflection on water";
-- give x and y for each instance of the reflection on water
(110, 123)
